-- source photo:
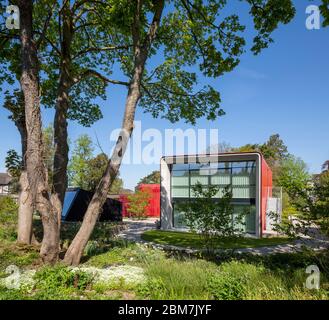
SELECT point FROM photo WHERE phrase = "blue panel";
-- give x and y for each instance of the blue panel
(68, 200)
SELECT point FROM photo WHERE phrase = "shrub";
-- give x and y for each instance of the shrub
(212, 218)
(224, 286)
(57, 277)
(137, 203)
(8, 219)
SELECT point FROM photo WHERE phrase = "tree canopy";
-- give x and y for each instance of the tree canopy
(152, 178)
(70, 50)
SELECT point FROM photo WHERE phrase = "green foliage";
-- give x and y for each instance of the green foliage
(193, 240)
(85, 171)
(137, 203)
(8, 219)
(13, 163)
(228, 277)
(21, 256)
(226, 287)
(209, 216)
(78, 166)
(257, 278)
(61, 277)
(274, 151)
(125, 253)
(321, 195)
(14, 167)
(103, 233)
(174, 279)
(95, 170)
(324, 8)
(191, 33)
(294, 176)
(83, 93)
(152, 178)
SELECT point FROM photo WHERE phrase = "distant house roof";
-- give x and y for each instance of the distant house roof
(5, 179)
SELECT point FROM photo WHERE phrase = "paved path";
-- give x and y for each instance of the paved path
(136, 228)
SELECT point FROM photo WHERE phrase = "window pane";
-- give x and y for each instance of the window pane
(180, 192)
(243, 192)
(248, 213)
(180, 178)
(222, 177)
(179, 221)
(197, 177)
(180, 167)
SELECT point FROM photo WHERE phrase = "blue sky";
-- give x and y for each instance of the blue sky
(284, 90)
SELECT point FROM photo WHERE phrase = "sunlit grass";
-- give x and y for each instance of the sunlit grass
(193, 240)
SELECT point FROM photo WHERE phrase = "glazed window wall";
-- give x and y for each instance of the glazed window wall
(240, 177)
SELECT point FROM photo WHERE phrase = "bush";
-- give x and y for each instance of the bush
(138, 203)
(57, 277)
(224, 286)
(8, 219)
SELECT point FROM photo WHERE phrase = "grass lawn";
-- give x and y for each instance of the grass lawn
(161, 276)
(193, 240)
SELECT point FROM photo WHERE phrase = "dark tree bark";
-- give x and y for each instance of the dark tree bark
(36, 170)
(141, 49)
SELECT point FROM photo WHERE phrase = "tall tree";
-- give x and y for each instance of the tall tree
(78, 167)
(95, 170)
(68, 46)
(189, 33)
(36, 170)
(85, 171)
(295, 178)
(274, 150)
(138, 203)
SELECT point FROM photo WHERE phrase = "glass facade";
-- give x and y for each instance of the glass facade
(240, 177)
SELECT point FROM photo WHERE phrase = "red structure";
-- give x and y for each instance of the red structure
(153, 209)
(266, 190)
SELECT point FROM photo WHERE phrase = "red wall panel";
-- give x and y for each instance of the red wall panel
(266, 190)
(153, 209)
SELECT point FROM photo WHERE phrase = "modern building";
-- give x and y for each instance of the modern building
(247, 175)
(5, 180)
(76, 203)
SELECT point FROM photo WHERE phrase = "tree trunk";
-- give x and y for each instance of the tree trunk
(60, 122)
(36, 170)
(74, 253)
(25, 211)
